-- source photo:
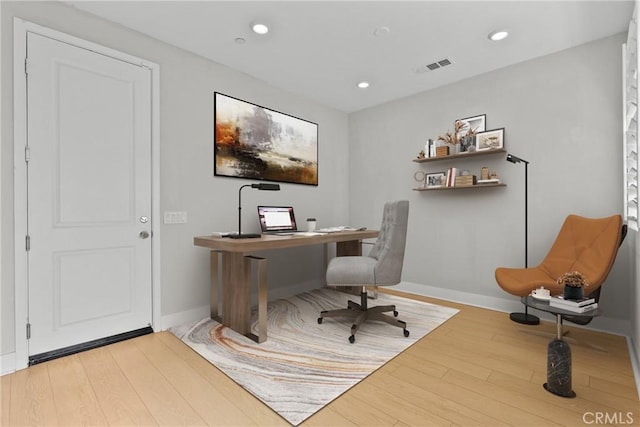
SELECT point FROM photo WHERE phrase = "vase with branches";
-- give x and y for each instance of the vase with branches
(458, 136)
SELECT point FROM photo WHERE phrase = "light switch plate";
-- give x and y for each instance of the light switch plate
(175, 217)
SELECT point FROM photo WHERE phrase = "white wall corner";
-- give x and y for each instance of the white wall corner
(184, 317)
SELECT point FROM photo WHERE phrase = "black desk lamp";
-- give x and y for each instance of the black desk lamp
(261, 186)
(525, 318)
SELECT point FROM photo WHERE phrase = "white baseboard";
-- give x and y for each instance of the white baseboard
(507, 305)
(635, 362)
(184, 317)
(7, 363)
(483, 301)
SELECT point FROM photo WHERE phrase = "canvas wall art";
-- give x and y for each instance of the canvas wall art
(255, 142)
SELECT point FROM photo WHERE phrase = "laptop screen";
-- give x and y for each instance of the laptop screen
(276, 218)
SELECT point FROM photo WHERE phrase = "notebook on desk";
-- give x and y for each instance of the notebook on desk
(277, 220)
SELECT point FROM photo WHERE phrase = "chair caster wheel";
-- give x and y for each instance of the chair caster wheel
(406, 333)
(352, 339)
(319, 320)
(395, 313)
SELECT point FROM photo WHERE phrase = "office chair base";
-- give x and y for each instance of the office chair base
(525, 318)
(360, 313)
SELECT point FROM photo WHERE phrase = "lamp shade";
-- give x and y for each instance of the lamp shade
(513, 159)
(266, 186)
(260, 186)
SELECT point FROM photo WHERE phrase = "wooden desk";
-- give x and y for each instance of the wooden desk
(236, 272)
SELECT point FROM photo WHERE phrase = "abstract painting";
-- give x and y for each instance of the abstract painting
(255, 142)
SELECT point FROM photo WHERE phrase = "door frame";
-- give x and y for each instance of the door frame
(20, 184)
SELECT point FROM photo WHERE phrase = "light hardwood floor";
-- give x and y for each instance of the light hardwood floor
(477, 369)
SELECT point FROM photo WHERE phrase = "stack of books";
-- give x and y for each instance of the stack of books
(489, 181)
(578, 306)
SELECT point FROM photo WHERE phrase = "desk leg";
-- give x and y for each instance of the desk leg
(262, 298)
(349, 248)
(559, 364)
(325, 260)
(236, 293)
(213, 302)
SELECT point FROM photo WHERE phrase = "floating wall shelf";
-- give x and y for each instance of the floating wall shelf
(461, 156)
(466, 155)
(462, 187)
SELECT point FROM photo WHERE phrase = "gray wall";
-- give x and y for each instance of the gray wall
(187, 83)
(561, 112)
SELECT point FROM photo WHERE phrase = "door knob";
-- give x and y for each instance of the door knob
(144, 234)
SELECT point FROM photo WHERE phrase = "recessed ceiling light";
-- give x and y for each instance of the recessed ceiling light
(498, 35)
(259, 28)
(363, 85)
(239, 40)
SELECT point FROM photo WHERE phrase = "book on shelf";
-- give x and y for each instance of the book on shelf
(451, 177)
(575, 309)
(431, 148)
(489, 181)
(560, 301)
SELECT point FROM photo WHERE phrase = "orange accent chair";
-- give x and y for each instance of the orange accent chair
(587, 245)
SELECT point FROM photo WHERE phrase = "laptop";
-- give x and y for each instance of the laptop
(278, 220)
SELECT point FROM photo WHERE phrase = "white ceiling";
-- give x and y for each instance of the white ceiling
(321, 49)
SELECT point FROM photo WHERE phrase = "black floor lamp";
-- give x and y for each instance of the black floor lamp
(525, 318)
(261, 186)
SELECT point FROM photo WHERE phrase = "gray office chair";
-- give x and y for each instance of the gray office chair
(382, 267)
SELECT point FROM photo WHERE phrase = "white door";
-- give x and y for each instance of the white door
(89, 195)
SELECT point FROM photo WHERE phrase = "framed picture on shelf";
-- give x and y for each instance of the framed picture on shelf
(475, 124)
(490, 140)
(435, 179)
(467, 144)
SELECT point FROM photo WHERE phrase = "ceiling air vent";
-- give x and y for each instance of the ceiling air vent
(434, 66)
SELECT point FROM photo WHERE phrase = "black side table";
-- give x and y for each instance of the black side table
(558, 351)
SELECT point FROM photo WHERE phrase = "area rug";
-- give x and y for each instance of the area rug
(304, 365)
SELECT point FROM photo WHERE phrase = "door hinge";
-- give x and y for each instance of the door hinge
(26, 65)
(28, 242)
(28, 330)
(27, 154)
